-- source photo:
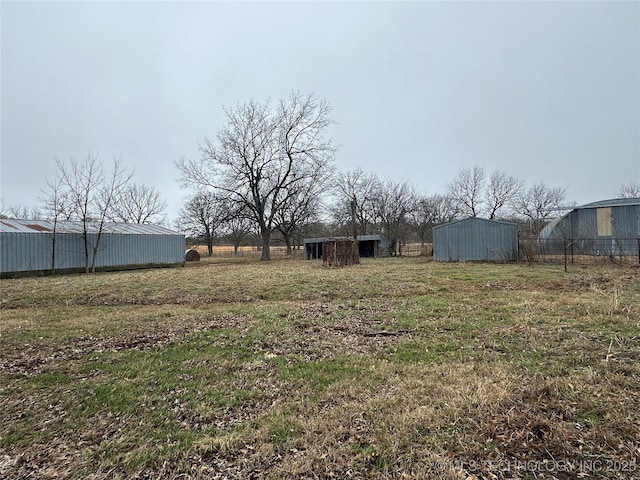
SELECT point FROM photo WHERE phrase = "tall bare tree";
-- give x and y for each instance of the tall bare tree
(394, 203)
(138, 203)
(630, 190)
(501, 192)
(361, 188)
(539, 203)
(466, 190)
(262, 153)
(430, 211)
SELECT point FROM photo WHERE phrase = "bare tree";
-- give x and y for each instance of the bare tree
(262, 153)
(501, 192)
(236, 229)
(430, 211)
(539, 203)
(202, 215)
(82, 180)
(361, 188)
(466, 190)
(57, 207)
(445, 209)
(18, 212)
(138, 203)
(300, 208)
(90, 191)
(394, 203)
(630, 190)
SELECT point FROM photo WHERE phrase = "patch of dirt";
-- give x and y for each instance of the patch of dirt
(32, 359)
(360, 332)
(500, 285)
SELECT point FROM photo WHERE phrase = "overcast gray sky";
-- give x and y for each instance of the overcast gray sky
(546, 91)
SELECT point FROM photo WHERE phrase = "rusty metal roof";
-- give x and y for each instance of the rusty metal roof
(46, 226)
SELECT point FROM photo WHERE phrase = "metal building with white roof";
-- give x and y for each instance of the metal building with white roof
(27, 246)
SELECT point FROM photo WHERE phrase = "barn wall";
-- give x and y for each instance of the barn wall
(475, 239)
(139, 249)
(24, 252)
(597, 230)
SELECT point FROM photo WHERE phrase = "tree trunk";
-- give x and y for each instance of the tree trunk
(86, 253)
(53, 249)
(210, 247)
(94, 252)
(287, 240)
(266, 241)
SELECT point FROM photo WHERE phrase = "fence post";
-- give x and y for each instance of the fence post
(572, 259)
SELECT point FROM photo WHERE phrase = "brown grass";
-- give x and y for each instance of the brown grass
(396, 368)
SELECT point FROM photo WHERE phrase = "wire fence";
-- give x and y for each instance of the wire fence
(580, 250)
(248, 251)
(530, 250)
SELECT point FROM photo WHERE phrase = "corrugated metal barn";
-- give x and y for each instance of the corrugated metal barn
(368, 246)
(27, 246)
(475, 239)
(607, 227)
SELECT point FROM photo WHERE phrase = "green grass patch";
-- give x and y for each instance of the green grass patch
(294, 371)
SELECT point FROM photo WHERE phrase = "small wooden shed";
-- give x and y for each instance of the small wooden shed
(338, 252)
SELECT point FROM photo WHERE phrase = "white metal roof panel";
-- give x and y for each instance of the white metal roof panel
(46, 226)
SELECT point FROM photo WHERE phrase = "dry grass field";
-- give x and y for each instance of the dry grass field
(394, 368)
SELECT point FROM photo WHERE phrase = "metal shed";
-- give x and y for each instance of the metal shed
(27, 246)
(478, 239)
(368, 246)
(606, 227)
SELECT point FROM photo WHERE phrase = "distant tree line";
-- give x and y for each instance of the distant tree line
(270, 174)
(269, 177)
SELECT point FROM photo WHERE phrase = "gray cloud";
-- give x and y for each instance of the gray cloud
(547, 91)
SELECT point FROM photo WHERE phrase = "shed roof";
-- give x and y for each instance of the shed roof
(476, 219)
(46, 226)
(361, 238)
(613, 202)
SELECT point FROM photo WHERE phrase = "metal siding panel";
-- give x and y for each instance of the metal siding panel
(9, 245)
(69, 251)
(21, 251)
(5, 239)
(626, 229)
(475, 239)
(41, 252)
(626, 221)
(438, 244)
